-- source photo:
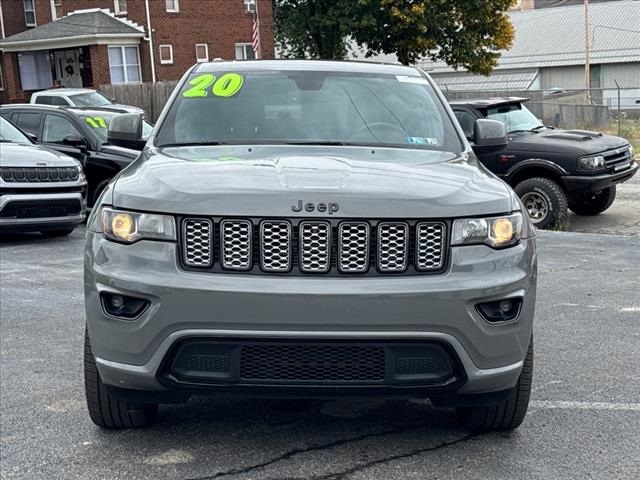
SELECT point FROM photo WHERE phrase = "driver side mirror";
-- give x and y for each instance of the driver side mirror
(126, 131)
(75, 141)
(489, 136)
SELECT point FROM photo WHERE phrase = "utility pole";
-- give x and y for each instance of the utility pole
(587, 83)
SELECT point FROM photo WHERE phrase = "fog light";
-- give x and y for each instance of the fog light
(122, 306)
(500, 310)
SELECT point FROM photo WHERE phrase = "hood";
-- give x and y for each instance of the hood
(21, 155)
(276, 181)
(127, 108)
(579, 142)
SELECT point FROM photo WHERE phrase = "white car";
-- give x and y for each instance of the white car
(80, 97)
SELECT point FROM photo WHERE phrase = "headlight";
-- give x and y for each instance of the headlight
(591, 163)
(631, 153)
(129, 227)
(497, 232)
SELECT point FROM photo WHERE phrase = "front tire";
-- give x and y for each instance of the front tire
(106, 411)
(594, 204)
(545, 201)
(509, 414)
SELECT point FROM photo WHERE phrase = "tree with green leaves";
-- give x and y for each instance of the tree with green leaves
(314, 28)
(463, 33)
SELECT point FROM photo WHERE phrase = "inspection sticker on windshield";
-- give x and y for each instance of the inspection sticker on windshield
(417, 80)
(422, 140)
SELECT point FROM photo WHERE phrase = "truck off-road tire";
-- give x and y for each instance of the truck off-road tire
(106, 411)
(62, 232)
(509, 414)
(594, 204)
(545, 201)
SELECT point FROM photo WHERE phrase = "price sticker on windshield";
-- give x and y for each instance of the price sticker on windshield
(227, 85)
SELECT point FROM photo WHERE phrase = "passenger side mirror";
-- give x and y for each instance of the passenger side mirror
(75, 141)
(126, 131)
(489, 136)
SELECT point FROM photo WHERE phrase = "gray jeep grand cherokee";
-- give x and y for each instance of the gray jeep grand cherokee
(309, 229)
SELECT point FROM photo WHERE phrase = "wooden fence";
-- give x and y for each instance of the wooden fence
(151, 97)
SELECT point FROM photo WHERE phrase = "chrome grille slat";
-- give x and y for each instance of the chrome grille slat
(429, 246)
(275, 246)
(393, 246)
(353, 247)
(315, 247)
(198, 242)
(236, 244)
(618, 155)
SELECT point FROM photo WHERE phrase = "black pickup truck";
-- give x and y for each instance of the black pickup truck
(552, 170)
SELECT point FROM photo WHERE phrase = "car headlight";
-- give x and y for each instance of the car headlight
(591, 163)
(631, 152)
(129, 227)
(497, 232)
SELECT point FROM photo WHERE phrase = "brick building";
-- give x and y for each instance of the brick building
(88, 43)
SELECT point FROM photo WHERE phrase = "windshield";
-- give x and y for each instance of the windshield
(516, 118)
(9, 133)
(91, 99)
(307, 107)
(100, 122)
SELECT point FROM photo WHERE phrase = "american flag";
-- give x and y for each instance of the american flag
(255, 35)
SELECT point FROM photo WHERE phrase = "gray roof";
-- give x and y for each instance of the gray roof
(91, 23)
(505, 80)
(555, 37)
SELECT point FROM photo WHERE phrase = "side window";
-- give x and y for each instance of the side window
(43, 100)
(467, 122)
(59, 101)
(56, 128)
(29, 122)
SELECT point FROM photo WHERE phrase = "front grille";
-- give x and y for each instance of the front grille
(315, 246)
(312, 363)
(41, 209)
(617, 157)
(300, 246)
(198, 237)
(236, 244)
(39, 174)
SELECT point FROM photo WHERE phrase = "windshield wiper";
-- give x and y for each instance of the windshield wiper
(336, 143)
(191, 144)
(539, 127)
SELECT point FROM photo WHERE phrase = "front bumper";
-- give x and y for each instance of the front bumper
(595, 183)
(41, 211)
(379, 310)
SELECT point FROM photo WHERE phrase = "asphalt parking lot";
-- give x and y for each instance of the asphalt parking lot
(583, 422)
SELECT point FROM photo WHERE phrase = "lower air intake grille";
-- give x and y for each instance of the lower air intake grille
(312, 363)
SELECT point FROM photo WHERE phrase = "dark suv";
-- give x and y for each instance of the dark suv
(80, 133)
(551, 170)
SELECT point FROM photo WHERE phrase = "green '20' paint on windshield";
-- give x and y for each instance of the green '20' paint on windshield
(226, 86)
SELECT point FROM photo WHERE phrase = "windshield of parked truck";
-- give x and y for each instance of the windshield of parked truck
(9, 133)
(91, 99)
(308, 108)
(516, 118)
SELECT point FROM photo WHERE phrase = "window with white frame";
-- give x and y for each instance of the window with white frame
(124, 64)
(120, 6)
(172, 5)
(166, 54)
(29, 13)
(202, 52)
(244, 51)
(250, 6)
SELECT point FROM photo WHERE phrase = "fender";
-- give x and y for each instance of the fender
(535, 162)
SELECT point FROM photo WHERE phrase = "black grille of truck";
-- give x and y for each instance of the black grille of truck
(333, 247)
(618, 157)
(41, 208)
(312, 363)
(39, 174)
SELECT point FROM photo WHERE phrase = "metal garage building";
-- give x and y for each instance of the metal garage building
(549, 53)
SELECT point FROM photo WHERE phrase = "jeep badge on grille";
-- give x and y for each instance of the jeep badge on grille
(320, 207)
